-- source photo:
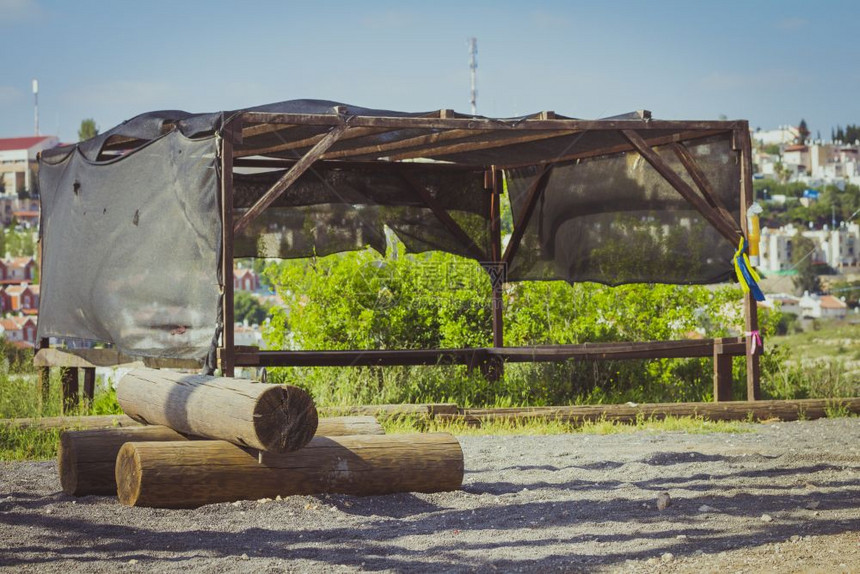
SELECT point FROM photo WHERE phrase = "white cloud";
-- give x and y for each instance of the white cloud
(16, 11)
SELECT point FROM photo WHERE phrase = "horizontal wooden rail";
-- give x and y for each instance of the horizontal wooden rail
(251, 357)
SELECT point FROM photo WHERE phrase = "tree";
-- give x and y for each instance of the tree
(802, 251)
(88, 129)
(802, 132)
(247, 307)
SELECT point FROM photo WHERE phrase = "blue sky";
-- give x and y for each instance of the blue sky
(772, 62)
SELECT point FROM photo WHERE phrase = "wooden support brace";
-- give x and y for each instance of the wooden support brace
(682, 186)
(290, 177)
(444, 217)
(532, 196)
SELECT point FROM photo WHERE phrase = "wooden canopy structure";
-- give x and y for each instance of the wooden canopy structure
(375, 143)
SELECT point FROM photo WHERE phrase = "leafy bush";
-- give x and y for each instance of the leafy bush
(359, 300)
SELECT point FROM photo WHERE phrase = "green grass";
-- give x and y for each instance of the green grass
(542, 426)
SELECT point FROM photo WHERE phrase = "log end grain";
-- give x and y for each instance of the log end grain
(128, 475)
(285, 418)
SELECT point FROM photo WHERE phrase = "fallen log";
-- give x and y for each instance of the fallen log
(193, 473)
(87, 458)
(276, 418)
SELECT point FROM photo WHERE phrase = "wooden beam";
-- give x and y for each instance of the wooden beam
(443, 216)
(498, 273)
(722, 374)
(69, 389)
(90, 358)
(535, 191)
(487, 124)
(750, 304)
(291, 176)
(428, 139)
(701, 180)
(226, 363)
(481, 145)
(622, 148)
(288, 145)
(681, 186)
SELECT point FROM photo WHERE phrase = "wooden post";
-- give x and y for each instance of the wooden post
(227, 351)
(266, 417)
(494, 368)
(193, 473)
(89, 384)
(722, 373)
(44, 372)
(742, 136)
(87, 458)
(69, 378)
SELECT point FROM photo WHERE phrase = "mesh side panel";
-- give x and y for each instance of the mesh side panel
(329, 210)
(614, 220)
(131, 249)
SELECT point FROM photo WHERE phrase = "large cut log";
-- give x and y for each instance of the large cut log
(276, 418)
(87, 458)
(193, 473)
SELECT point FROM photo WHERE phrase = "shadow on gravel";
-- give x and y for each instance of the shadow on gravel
(500, 529)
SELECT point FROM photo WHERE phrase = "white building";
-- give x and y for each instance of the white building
(18, 161)
(838, 248)
(783, 135)
(822, 307)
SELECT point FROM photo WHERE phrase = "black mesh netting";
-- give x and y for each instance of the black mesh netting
(614, 219)
(333, 209)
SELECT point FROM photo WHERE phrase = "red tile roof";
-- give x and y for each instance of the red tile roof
(12, 144)
(831, 302)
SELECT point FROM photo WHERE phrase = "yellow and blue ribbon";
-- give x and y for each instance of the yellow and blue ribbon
(747, 276)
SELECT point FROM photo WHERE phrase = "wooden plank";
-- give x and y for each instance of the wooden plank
(391, 411)
(487, 124)
(88, 422)
(291, 176)
(188, 474)
(473, 356)
(499, 272)
(805, 409)
(288, 145)
(443, 216)
(450, 149)
(378, 149)
(88, 358)
(44, 371)
(750, 304)
(681, 186)
(532, 196)
(623, 148)
(276, 418)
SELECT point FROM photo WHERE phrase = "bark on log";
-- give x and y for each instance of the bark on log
(87, 458)
(276, 418)
(193, 473)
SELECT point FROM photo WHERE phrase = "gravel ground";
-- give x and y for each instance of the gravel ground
(783, 498)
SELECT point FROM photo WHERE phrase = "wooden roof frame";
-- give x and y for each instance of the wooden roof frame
(448, 133)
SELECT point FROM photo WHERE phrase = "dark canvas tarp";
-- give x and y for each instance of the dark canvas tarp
(131, 219)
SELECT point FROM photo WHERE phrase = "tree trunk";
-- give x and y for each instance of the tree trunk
(87, 458)
(274, 418)
(193, 473)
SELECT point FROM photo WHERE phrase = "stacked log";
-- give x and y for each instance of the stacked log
(188, 474)
(219, 439)
(87, 458)
(275, 418)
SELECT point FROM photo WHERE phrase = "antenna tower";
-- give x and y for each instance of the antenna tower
(473, 68)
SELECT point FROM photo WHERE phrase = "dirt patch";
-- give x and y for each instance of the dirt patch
(785, 497)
